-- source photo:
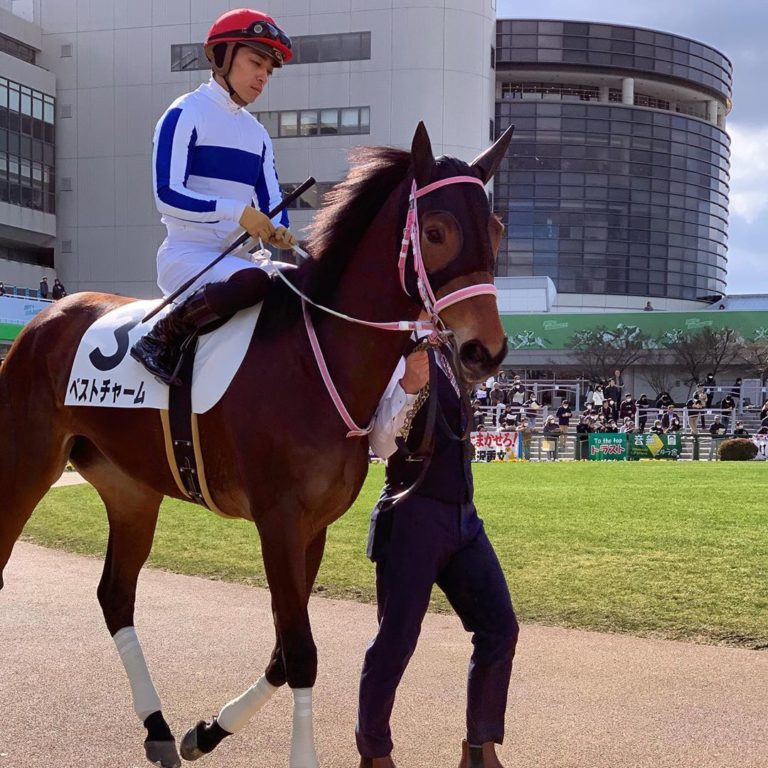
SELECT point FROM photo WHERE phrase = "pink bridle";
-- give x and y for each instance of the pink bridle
(411, 236)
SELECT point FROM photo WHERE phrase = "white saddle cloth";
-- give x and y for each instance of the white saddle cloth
(104, 375)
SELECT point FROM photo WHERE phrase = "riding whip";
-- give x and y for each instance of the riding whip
(284, 203)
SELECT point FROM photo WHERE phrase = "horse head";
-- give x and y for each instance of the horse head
(459, 239)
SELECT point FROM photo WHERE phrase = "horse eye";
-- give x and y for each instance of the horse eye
(434, 235)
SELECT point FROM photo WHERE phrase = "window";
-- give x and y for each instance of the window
(27, 150)
(316, 122)
(188, 57)
(17, 50)
(307, 49)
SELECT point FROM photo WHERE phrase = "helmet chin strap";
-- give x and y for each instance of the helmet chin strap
(233, 94)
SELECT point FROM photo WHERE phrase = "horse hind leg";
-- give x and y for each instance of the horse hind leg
(32, 458)
(132, 511)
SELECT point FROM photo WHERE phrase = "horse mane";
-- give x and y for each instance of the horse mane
(347, 212)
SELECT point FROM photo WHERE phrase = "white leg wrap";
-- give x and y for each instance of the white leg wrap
(303, 739)
(145, 698)
(239, 711)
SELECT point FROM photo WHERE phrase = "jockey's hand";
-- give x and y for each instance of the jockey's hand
(257, 224)
(283, 238)
(416, 373)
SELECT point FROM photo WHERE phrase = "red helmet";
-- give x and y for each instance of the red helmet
(246, 27)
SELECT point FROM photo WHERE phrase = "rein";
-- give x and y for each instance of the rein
(439, 333)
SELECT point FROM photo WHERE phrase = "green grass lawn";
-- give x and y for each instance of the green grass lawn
(674, 550)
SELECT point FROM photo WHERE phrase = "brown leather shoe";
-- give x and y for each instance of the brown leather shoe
(377, 762)
(483, 756)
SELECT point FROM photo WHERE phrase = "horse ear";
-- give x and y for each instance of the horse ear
(488, 162)
(422, 158)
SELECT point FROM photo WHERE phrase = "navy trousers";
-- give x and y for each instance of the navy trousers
(419, 543)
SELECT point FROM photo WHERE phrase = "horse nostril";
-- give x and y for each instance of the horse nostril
(476, 358)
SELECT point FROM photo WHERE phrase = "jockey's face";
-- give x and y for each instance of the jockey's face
(249, 73)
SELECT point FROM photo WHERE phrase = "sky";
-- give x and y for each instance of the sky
(739, 30)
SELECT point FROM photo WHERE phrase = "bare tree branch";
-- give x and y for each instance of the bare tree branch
(601, 351)
(706, 350)
(755, 355)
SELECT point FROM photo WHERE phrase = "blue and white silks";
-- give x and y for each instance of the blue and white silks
(211, 160)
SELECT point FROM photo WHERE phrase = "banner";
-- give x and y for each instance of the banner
(15, 312)
(649, 445)
(557, 331)
(607, 446)
(761, 441)
(497, 445)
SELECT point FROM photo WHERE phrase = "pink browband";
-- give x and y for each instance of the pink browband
(431, 304)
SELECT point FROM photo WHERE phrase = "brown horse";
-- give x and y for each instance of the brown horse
(293, 487)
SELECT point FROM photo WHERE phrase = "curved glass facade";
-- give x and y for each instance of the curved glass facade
(609, 198)
(612, 46)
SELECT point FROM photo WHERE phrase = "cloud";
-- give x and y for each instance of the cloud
(749, 169)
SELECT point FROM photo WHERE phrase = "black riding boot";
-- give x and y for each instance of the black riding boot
(160, 350)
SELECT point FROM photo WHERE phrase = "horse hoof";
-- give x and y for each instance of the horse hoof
(162, 753)
(189, 749)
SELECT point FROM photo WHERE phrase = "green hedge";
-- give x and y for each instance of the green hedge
(738, 449)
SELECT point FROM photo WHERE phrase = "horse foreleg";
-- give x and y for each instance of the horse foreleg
(132, 511)
(204, 737)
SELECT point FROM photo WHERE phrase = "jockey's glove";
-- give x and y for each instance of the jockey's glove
(283, 238)
(257, 224)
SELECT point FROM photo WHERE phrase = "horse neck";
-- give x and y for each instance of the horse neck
(362, 359)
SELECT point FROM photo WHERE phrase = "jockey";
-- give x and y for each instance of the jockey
(214, 171)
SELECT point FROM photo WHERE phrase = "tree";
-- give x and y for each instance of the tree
(755, 355)
(658, 372)
(707, 350)
(601, 351)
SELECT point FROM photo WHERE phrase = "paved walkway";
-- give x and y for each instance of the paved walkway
(579, 699)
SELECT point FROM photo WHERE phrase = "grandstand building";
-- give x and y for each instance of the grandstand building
(28, 219)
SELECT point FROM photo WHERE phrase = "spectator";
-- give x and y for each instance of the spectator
(531, 407)
(627, 409)
(517, 392)
(2, 288)
(612, 392)
(551, 436)
(716, 432)
(482, 394)
(728, 405)
(477, 416)
(764, 411)
(667, 417)
(58, 291)
(525, 431)
(583, 428)
(618, 380)
(673, 422)
(740, 431)
(642, 411)
(762, 431)
(628, 425)
(563, 414)
(496, 401)
(607, 410)
(664, 399)
(736, 390)
(657, 428)
(590, 394)
(611, 427)
(694, 407)
(648, 307)
(598, 397)
(44, 288)
(709, 387)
